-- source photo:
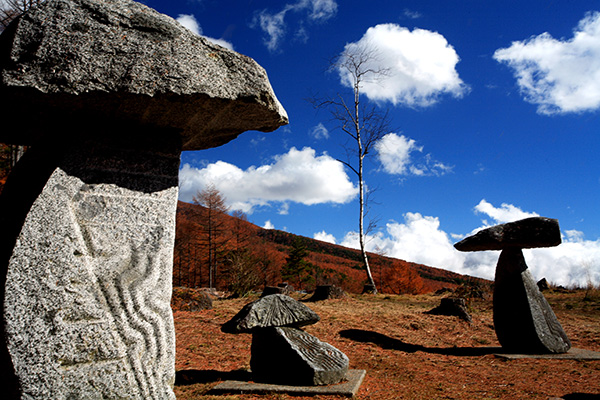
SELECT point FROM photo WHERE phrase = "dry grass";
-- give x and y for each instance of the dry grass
(407, 354)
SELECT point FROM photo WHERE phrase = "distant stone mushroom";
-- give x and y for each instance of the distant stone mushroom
(281, 353)
(523, 319)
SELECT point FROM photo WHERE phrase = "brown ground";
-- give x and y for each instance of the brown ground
(407, 354)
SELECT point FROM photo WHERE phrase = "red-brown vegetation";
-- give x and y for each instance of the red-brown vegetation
(265, 253)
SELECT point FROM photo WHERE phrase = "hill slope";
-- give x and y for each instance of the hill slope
(247, 252)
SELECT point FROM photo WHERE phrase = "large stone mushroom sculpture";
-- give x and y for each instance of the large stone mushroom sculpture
(107, 93)
(523, 319)
(281, 352)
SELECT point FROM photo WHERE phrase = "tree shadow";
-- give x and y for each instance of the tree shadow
(187, 377)
(386, 342)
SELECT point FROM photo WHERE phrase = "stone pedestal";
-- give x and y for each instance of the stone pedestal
(87, 305)
(523, 319)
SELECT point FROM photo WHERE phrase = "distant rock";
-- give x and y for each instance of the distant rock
(187, 299)
(282, 288)
(524, 234)
(293, 357)
(326, 292)
(452, 306)
(271, 311)
(542, 284)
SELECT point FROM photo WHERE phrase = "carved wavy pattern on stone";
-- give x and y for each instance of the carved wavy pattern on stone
(320, 355)
(291, 356)
(87, 304)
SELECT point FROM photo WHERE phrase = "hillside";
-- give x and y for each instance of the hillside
(247, 251)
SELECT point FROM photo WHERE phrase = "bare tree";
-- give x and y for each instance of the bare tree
(363, 124)
(213, 225)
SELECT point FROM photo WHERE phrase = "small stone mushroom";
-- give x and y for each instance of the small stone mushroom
(523, 319)
(281, 353)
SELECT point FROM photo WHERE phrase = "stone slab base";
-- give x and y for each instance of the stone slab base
(572, 354)
(349, 388)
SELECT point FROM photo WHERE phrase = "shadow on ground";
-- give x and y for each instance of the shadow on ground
(386, 342)
(581, 396)
(192, 376)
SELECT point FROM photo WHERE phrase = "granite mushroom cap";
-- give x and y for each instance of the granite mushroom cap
(84, 62)
(527, 233)
(275, 310)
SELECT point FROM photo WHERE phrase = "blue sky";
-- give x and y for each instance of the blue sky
(495, 116)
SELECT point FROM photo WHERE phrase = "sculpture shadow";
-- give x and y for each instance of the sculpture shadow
(192, 376)
(386, 342)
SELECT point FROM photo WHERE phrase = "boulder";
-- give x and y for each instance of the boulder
(108, 93)
(452, 306)
(282, 288)
(325, 292)
(524, 234)
(270, 311)
(290, 356)
(543, 285)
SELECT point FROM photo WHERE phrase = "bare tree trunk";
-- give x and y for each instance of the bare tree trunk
(361, 187)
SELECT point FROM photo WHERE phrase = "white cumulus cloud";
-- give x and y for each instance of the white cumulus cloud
(560, 76)
(299, 176)
(394, 153)
(268, 225)
(190, 22)
(503, 214)
(325, 237)
(274, 24)
(420, 239)
(319, 132)
(420, 66)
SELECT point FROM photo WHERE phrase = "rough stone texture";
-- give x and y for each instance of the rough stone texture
(108, 92)
(270, 311)
(454, 306)
(118, 60)
(291, 356)
(87, 301)
(523, 319)
(524, 234)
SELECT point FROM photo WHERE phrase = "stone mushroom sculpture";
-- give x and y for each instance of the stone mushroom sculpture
(523, 319)
(107, 93)
(281, 352)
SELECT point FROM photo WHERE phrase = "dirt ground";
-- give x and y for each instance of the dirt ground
(407, 354)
